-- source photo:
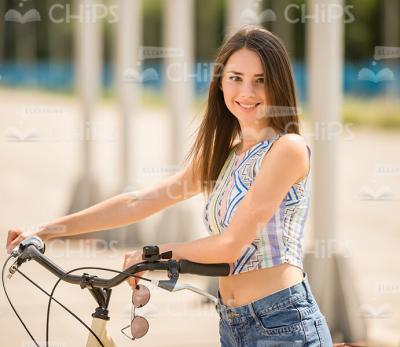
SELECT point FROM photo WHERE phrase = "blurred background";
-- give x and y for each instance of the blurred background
(103, 97)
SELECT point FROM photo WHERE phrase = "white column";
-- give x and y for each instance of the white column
(128, 39)
(178, 35)
(331, 273)
(325, 64)
(178, 31)
(88, 53)
(241, 12)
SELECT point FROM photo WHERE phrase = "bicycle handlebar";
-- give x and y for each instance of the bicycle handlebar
(188, 267)
(32, 250)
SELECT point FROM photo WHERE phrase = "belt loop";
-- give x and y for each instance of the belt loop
(305, 285)
(252, 311)
(218, 305)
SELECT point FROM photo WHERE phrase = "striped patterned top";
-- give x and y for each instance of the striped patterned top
(280, 240)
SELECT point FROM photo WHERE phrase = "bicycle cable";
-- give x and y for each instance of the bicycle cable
(12, 306)
(51, 297)
(63, 306)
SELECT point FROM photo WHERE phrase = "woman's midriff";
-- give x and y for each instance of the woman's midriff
(244, 288)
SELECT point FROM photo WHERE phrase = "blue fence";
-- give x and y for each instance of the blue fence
(363, 79)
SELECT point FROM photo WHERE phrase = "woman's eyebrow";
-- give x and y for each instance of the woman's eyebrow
(239, 73)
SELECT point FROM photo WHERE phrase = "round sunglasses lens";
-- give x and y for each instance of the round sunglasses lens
(139, 327)
(140, 296)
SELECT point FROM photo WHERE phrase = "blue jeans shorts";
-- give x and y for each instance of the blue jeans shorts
(287, 318)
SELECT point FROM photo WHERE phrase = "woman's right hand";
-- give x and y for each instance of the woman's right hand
(17, 235)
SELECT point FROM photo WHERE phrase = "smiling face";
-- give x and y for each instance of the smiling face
(243, 87)
(237, 93)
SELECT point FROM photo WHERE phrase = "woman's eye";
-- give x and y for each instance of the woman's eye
(234, 78)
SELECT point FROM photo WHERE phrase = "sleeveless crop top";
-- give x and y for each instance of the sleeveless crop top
(280, 239)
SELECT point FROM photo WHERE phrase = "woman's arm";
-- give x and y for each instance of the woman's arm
(285, 164)
(129, 207)
(117, 211)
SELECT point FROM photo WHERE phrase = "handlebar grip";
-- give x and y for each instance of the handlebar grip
(35, 241)
(186, 266)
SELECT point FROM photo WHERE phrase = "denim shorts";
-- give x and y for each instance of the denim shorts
(289, 317)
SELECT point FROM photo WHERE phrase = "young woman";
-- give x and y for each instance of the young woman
(252, 164)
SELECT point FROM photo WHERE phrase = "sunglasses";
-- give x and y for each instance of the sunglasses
(139, 325)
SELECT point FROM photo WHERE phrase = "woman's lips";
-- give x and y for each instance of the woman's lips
(247, 107)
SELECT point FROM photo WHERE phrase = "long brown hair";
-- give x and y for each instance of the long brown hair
(219, 127)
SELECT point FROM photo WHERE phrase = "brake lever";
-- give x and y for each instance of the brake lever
(182, 286)
(172, 286)
(14, 267)
(18, 250)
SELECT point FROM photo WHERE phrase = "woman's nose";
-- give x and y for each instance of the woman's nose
(247, 90)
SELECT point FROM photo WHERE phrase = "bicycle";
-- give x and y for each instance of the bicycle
(33, 248)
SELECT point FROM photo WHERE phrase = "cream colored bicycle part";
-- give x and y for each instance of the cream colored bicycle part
(99, 326)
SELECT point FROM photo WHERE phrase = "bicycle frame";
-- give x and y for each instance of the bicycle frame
(99, 327)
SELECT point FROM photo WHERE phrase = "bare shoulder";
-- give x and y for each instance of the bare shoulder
(290, 153)
(293, 145)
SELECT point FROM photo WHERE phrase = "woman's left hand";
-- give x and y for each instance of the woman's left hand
(132, 258)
